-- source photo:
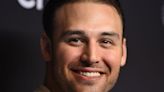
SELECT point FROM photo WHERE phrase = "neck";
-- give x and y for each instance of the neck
(50, 82)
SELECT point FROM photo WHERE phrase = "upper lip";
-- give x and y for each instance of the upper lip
(87, 69)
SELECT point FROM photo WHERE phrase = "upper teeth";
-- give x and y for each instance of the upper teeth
(90, 74)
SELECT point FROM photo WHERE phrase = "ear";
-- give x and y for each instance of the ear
(45, 47)
(124, 53)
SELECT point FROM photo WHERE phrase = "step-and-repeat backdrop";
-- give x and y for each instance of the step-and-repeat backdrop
(23, 69)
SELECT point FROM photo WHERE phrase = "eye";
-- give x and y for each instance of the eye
(106, 43)
(75, 41)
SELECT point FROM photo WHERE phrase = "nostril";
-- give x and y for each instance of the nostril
(97, 61)
(89, 63)
(85, 63)
(88, 59)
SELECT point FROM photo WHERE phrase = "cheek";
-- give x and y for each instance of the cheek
(67, 54)
(64, 56)
(113, 58)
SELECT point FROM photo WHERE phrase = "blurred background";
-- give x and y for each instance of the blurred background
(22, 69)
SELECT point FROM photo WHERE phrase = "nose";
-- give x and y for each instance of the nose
(91, 54)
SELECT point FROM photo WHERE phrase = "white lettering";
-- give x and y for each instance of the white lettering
(39, 4)
(29, 4)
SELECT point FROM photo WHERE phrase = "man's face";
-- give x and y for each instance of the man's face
(88, 48)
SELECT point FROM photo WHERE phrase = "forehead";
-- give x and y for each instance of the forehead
(88, 16)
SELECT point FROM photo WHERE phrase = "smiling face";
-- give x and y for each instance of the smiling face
(88, 48)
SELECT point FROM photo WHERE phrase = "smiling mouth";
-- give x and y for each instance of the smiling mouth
(88, 72)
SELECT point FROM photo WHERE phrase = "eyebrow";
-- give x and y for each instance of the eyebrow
(72, 32)
(82, 33)
(112, 34)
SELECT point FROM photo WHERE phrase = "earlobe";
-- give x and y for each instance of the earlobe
(124, 52)
(45, 47)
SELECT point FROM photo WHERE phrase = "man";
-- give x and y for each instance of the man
(83, 45)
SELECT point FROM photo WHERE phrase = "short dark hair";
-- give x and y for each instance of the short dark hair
(53, 5)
